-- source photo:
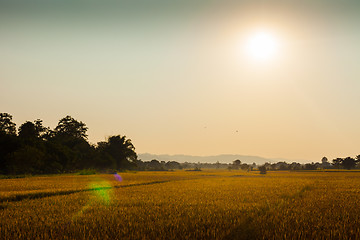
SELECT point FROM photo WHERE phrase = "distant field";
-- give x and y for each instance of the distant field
(183, 205)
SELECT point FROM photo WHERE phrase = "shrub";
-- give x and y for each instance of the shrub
(262, 170)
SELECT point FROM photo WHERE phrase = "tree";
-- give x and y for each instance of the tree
(348, 163)
(27, 159)
(236, 164)
(28, 131)
(120, 149)
(283, 165)
(337, 162)
(155, 165)
(70, 127)
(325, 163)
(69, 137)
(324, 160)
(8, 144)
(173, 165)
(295, 166)
(38, 149)
(6, 124)
(42, 132)
(262, 169)
(310, 166)
(217, 164)
(245, 167)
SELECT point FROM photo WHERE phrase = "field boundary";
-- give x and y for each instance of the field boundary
(20, 197)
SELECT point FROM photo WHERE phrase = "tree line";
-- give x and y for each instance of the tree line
(337, 163)
(36, 149)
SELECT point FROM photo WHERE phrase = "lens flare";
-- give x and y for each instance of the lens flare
(101, 192)
(118, 177)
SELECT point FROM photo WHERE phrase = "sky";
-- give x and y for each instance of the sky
(174, 76)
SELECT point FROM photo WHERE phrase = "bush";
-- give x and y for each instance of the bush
(262, 170)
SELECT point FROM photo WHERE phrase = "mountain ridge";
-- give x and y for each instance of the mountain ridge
(222, 158)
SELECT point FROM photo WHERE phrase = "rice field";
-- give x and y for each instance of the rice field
(183, 205)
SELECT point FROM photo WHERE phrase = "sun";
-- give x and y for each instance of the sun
(261, 46)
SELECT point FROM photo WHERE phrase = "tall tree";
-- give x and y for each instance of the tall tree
(42, 131)
(28, 131)
(337, 162)
(8, 140)
(70, 127)
(69, 137)
(120, 149)
(6, 124)
(348, 163)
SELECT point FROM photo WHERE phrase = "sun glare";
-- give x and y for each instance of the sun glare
(261, 46)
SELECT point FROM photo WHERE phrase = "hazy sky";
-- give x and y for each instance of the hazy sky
(173, 76)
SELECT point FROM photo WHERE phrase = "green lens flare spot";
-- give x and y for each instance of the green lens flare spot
(102, 190)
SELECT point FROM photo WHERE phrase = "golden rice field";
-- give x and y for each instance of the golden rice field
(183, 205)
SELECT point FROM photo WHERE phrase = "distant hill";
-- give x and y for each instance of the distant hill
(224, 158)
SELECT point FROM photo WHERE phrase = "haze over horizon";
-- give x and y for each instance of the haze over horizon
(264, 78)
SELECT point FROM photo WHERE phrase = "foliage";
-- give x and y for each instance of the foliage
(72, 128)
(34, 130)
(28, 131)
(310, 166)
(120, 149)
(337, 162)
(8, 144)
(262, 169)
(346, 163)
(349, 163)
(6, 124)
(38, 149)
(26, 160)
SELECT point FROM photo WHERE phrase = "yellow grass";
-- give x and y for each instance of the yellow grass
(183, 205)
